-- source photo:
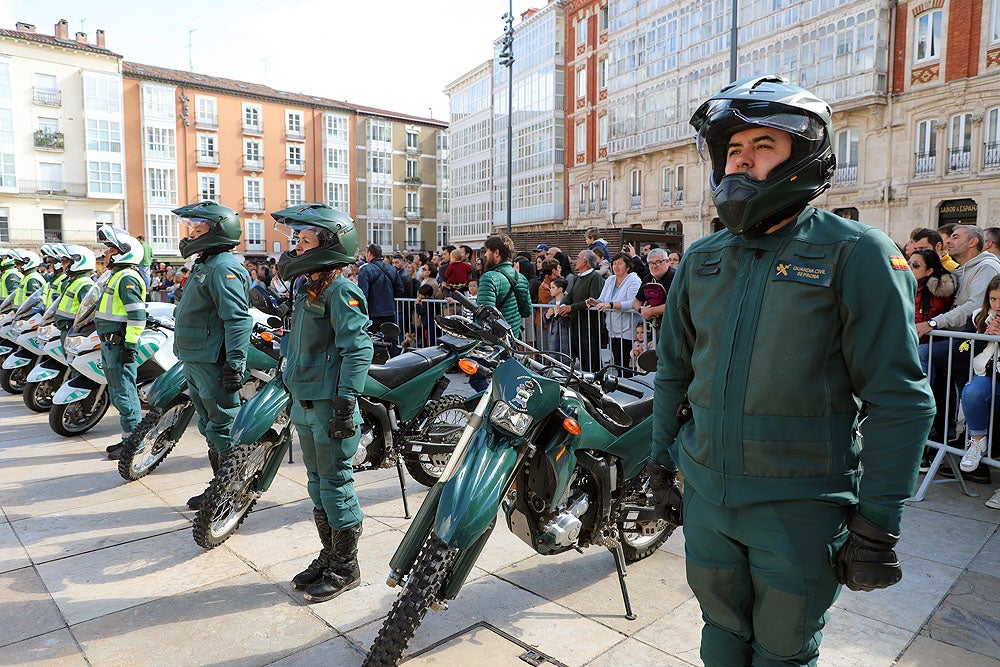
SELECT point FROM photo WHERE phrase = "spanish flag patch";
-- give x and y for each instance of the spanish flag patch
(353, 302)
(899, 263)
(230, 276)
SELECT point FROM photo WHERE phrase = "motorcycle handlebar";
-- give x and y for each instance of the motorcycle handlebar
(464, 300)
(631, 391)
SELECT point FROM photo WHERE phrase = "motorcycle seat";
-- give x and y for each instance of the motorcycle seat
(407, 366)
(636, 408)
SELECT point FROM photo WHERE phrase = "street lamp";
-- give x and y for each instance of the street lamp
(507, 60)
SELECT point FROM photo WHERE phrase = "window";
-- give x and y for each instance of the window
(413, 205)
(602, 131)
(412, 141)
(8, 178)
(928, 35)
(379, 130)
(379, 198)
(413, 237)
(296, 193)
(336, 128)
(105, 177)
(104, 135)
(583, 197)
(635, 188)
(208, 187)
(679, 184)
(253, 193)
(5, 93)
(381, 163)
(296, 163)
(205, 112)
(47, 90)
(4, 225)
(157, 101)
(604, 194)
(102, 218)
(581, 82)
(580, 139)
(602, 73)
(581, 31)
(336, 196)
(412, 169)
(206, 149)
(162, 228)
(336, 161)
(161, 186)
(7, 127)
(255, 234)
(846, 146)
(996, 21)
(380, 232)
(991, 157)
(293, 124)
(926, 149)
(960, 143)
(160, 141)
(667, 177)
(252, 118)
(252, 158)
(102, 94)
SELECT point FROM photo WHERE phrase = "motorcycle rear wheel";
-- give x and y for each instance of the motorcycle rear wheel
(150, 442)
(71, 419)
(442, 421)
(640, 541)
(429, 573)
(231, 494)
(37, 396)
(12, 380)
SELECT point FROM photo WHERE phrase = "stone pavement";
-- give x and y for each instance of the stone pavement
(94, 571)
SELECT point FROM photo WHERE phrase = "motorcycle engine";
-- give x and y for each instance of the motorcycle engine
(564, 529)
(367, 438)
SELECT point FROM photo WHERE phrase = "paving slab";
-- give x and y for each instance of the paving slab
(948, 499)
(108, 580)
(52, 649)
(337, 651)
(240, 620)
(36, 498)
(26, 610)
(634, 653)
(12, 554)
(969, 617)
(951, 540)
(481, 644)
(677, 633)
(926, 652)
(853, 640)
(987, 561)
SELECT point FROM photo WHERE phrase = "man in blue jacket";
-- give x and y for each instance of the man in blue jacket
(381, 285)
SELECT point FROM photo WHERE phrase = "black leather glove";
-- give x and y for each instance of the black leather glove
(867, 561)
(342, 425)
(232, 379)
(126, 356)
(666, 492)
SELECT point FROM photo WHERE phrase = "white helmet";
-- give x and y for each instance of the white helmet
(29, 260)
(83, 258)
(129, 249)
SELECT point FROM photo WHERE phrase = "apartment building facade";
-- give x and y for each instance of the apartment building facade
(61, 137)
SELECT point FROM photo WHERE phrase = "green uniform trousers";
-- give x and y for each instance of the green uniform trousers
(216, 407)
(122, 387)
(329, 464)
(764, 577)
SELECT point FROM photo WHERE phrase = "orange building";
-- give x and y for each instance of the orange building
(190, 137)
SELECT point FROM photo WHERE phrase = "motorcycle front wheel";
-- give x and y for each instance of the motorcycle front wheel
(442, 422)
(232, 494)
(152, 440)
(37, 396)
(641, 538)
(12, 380)
(429, 573)
(78, 417)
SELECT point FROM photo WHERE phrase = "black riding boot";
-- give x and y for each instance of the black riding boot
(213, 458)
(343, 572)
(315, 570)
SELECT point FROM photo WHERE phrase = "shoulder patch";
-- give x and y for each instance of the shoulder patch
(353, 302)
(230, 276)
(899, 263)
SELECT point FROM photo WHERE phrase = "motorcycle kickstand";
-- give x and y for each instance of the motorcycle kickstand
(402, 486)
(620, 566)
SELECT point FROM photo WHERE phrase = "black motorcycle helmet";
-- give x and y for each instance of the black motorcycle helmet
(224, 233)
(338, 239)
(748, 206)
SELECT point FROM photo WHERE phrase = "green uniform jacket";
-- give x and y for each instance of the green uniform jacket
(212, 322)
(328, 351)
(775, 342)
(9, 281)
(30, 283)
(494, 288)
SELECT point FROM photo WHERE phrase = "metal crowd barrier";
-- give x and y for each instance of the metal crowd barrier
(951, 381)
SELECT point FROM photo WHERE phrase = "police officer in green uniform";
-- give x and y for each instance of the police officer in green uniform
(777, 328)
(32, 280)
(10, 276)
(54, 254)
(78, 267)
(327, 352)
(212, 324)
(120, 320)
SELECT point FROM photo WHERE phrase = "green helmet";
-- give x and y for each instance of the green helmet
(129, 250)
(338, 239)
(224, 231)
(746, 205)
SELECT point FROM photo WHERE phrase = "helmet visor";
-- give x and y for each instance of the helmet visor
(192, 228)
(719, 121)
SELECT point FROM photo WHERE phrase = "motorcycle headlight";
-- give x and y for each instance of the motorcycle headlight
(48, 332)
(20, 327)
(510, 419)
(74, 344)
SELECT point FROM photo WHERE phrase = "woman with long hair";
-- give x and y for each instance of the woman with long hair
(936, 287)
(327, 354)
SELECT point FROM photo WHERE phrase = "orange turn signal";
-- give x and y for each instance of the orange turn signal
(468, 366)
(267, 335)
(571, 426)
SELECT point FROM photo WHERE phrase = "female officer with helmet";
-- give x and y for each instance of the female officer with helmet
(327, 354)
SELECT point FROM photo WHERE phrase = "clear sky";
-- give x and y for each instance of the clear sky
(392, 54)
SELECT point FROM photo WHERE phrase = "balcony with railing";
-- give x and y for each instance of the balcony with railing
(252, 128)
(54, 188)
(959, 159)
(207, 159)
(679, 197)
(49, 97)
(413, 212)
(297, 201)
(412, 150)
(253, 204)
(925, 164)
(847, 174)
(604, 204)
(635, 202)
(206, 121)
(295, 135)
(53, 141)
(412, 180)
(991, 155)
(253, 163)
(294, 166)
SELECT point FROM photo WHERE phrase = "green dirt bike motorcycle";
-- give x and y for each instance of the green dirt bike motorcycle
(171, 408)
(407, 420)
(561, 453)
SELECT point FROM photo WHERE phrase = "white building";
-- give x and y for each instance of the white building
(62, 164)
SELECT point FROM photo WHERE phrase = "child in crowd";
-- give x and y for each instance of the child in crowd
(559, 330)
(639, 346)
(458, 274)
(980, 394)
(424, 321)
(473, 288)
